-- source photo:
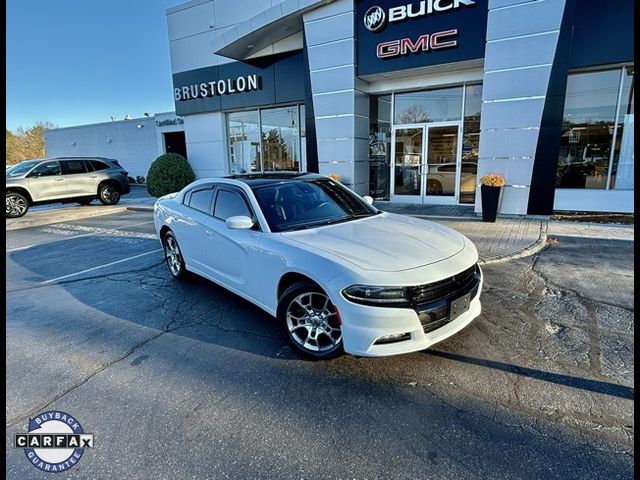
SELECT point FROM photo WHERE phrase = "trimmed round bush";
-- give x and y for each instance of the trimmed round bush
(169, 173)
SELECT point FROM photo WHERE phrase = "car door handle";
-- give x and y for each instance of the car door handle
(208, 233)
(59, 179)
(94, 176)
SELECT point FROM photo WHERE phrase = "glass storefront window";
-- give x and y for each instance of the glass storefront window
(441, 105)
(266, 140)
(379, 146)
(280, 139)
(244, 142)
(470, 143)
(622, 165)
(589, 131)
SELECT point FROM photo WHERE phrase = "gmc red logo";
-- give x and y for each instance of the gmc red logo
(424, 43)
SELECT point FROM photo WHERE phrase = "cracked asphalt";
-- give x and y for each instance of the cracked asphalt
(186, 380)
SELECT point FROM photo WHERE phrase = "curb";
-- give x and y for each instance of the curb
(535, 247)
(140, 208)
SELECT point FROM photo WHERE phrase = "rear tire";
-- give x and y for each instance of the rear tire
(310, 322)
(16, 205)
(173, 257)
(108, 194)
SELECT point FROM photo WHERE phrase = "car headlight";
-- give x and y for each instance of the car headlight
(377, 296)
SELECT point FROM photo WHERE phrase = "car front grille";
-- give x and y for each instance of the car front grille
(430, 292)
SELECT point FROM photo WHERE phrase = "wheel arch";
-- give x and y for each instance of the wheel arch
(22, 191)
(289, 278)
(109, 181)
(163, 231)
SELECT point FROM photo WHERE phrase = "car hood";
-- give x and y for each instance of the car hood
(385, 242)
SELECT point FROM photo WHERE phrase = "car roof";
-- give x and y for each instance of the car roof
(259, 179)
(82, 158)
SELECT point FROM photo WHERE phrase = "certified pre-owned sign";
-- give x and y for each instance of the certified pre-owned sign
(375, 18)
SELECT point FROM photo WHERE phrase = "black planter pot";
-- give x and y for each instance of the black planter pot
(490, 201)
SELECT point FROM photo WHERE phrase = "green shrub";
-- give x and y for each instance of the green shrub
(169, 173)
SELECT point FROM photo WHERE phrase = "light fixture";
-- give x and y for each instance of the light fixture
(140, 125)
(109, 140)
(250, 46)
(73, 144)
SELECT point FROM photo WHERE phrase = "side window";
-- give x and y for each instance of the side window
(73, 166)
(201, 200)
(97, 165)
(470, 168)
(46, 170)
(230, 204)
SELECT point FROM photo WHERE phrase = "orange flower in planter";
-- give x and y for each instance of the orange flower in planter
(335, 177)
(493, 180)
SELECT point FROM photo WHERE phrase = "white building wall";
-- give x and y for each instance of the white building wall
(207, 144)
(341, 107)
(522, 36)
(192, 27)
(132, 142)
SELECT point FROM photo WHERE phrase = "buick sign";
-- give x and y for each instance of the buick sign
(375, 19)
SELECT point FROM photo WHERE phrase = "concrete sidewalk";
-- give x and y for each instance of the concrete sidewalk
(503, 240)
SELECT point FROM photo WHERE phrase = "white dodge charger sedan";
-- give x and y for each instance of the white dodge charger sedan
(338, 274)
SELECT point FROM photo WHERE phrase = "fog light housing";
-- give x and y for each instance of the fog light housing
(396, 337)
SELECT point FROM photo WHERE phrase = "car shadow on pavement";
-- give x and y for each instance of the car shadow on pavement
(595, 386)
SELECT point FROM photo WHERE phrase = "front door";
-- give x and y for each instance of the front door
(427, 163)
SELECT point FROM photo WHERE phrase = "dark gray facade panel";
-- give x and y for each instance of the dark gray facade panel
(602, 33)
(280, 80)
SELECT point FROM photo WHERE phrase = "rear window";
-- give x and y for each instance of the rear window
(201, 200)
(96, 165)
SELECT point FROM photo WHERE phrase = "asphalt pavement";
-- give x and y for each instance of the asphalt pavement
(186, 380)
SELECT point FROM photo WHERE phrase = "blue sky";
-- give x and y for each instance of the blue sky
(72, 62)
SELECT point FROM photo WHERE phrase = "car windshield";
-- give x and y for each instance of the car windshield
(21, 168)
(294, 205)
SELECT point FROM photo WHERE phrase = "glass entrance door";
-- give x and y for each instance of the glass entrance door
(408, 163)
(427, 163)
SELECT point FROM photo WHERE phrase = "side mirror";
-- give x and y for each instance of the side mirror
(239, 223)
(368, 199)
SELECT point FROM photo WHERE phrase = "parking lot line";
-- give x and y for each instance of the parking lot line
(17, 249)
(101, 266)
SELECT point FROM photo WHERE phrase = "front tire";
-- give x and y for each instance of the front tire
(16, 205)
(173, 256)
(310, 322)
(109, 194)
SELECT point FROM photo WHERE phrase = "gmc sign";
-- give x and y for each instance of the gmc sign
(424, 43)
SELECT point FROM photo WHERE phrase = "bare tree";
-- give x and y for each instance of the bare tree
(413, 114)
(26, 144)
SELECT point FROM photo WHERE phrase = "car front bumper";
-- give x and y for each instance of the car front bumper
(364, 325)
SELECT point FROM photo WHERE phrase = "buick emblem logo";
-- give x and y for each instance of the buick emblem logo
(375, 19)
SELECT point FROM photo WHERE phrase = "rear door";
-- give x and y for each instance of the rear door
(46, 182)
(230, 252)
(193, 217)
(78, 179)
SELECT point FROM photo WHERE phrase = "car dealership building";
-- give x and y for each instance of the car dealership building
(413, 101)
